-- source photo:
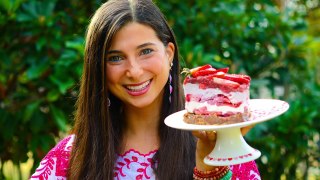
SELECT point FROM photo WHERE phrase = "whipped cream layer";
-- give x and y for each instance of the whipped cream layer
(235, 97)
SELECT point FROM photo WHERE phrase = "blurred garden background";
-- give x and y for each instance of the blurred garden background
(276, 42)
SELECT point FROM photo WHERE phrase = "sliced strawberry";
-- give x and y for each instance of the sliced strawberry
(217, 74)
(207, 66)
(204, 72)
(239, 78)
(246, 77)
(225, 82)
(194, 70)
(225, 70)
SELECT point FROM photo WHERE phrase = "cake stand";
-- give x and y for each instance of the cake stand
(231, 148)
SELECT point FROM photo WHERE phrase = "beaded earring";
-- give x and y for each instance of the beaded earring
(170, 83)
(109, 102)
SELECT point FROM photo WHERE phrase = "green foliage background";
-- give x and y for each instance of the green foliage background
(41, 51)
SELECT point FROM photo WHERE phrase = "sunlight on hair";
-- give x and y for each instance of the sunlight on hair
(133, 7)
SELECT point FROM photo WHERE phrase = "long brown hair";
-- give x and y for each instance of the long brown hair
(98, 127)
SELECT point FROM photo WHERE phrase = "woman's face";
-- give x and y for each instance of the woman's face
(138, 65)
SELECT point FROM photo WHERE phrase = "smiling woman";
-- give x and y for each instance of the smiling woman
(138, 66)
(132, 61)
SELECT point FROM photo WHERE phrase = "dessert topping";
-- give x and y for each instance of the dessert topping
(222, 74)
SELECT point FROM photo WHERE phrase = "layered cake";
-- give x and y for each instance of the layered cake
(214, 97)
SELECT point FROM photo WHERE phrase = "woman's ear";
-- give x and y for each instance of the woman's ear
(170, 48)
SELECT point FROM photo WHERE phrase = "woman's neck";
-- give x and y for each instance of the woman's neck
(141, 131)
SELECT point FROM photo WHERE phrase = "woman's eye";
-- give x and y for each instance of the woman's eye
(146, 51)
(114, 59)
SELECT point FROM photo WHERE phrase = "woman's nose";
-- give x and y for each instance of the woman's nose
(134, 69)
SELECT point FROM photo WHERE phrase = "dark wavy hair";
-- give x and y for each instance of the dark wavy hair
(98, 128)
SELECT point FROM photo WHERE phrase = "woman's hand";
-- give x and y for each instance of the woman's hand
(205, 144)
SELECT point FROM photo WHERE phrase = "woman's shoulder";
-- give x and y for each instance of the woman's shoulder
(55, 163)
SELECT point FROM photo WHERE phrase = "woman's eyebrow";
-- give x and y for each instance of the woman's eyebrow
(145, 44)
(113, 52)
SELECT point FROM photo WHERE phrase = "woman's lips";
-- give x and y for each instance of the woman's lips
(138, 89)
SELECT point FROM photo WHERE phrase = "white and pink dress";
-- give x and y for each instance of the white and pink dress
(130, 165)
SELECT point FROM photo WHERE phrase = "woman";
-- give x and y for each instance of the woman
(130, 83)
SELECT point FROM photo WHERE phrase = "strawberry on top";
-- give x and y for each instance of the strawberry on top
(217, 75)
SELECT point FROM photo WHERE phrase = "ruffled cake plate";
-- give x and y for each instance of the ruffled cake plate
(231, 148)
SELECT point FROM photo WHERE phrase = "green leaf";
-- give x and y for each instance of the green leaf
(46, 142)
(67, 57)
(59, 117)
(77, 44)
(63, 84)
(10, 5)
(37, 70)
(53, 95)
(24, 17)
(29, 110)
(6, 5)
(41, 42)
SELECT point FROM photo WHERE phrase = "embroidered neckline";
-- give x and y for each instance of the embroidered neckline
(135, 151)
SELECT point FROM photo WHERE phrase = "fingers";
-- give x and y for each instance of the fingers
(246, 129)
(199, 134)
(205, 144)
(211, 135)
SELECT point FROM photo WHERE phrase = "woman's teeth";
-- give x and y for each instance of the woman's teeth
(138, 88)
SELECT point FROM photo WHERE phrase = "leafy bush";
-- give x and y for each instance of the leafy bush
(41, 62)
(273, 47)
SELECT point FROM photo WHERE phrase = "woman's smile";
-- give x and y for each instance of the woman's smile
(138, 89)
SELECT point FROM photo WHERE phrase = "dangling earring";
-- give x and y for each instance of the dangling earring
(109, 102)
(170, 82)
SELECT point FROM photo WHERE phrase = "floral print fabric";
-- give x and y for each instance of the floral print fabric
(130, 165)
(134, 165)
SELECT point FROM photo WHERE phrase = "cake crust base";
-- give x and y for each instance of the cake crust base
(213, 119)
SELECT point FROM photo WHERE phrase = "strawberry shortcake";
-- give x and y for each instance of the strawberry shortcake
(214, 97)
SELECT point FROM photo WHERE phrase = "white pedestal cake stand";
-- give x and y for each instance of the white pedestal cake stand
(231, 148)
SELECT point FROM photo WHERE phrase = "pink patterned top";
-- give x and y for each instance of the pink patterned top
(130, 165)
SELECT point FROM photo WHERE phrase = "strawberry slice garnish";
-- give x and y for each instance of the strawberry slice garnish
(225, 70)
(208, 70)
(225, 82)
(211, 71)
(239, 78)
(204, 72)
(217, 74)
(197, 69)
